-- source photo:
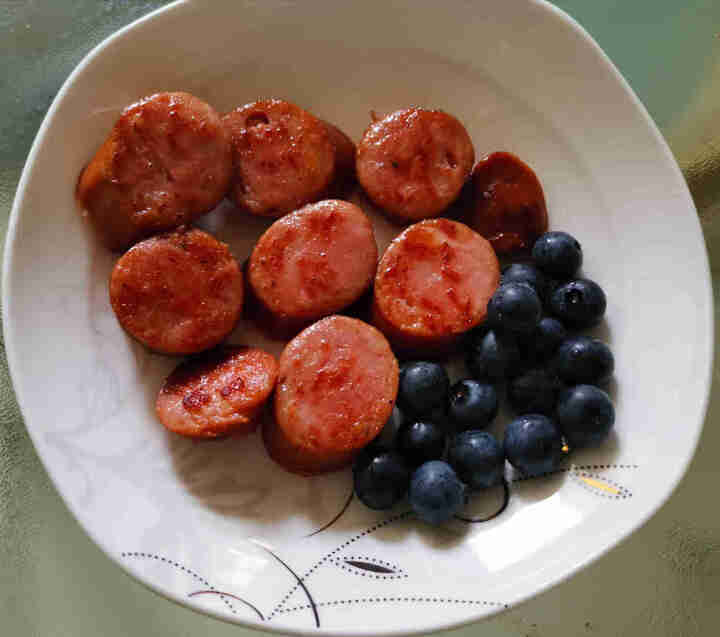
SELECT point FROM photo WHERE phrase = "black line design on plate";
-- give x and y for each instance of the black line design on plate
(240, 599)
(372, 567)
(578, 472)
(328, 556)
(369, 566)
(505, 502)
(300, 583)
(338, 516)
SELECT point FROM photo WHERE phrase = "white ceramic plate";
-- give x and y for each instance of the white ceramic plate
(219, 527)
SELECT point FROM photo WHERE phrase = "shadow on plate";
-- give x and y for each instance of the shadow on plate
(235, 477)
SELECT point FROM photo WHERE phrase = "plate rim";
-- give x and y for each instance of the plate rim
(603, 546)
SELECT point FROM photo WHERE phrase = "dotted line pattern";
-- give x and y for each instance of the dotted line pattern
(582, 467)
(184, 569)
(624, 494)
(329, 556)
(341, 563)
(608, 466)
(547, 474)
(413, 599)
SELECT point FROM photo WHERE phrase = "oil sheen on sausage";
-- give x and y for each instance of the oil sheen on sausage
(337, 383)
(217, 393)
(433, 283)
(177, 293)
(283, 157)
(414, 162)
(507, 204)
(166, 162)
(313, 262)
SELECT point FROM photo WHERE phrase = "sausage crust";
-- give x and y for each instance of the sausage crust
(508, 205)
(166, 162)
(218, 393)
(337, 383)
(414, 162)
(177, 293)
(433, 283)
(283, 157)
(313, 262)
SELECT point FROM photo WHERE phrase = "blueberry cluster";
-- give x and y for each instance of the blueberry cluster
(553, 378)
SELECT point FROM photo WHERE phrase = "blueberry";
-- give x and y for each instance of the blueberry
(477, 333)
(472, 404)
(494, 356)
(550, 286)
(436, 492)
(421, 441)
(546, 338)
(583, 360)
(477, 458)
(534, 392)
(585, 414)
(534, 445)
(514, 307)
(387, 437)
(381, 480)
(557, 254)
(423, 387)
(525, 273)
(578, 303)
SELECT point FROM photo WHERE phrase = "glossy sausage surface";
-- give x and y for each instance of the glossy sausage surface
(283, 157)
(313, 262)
(414, 162)
(337, 383)
(177, 293)
(166, 162)
(218, 393)
(508, 204)
(433, 283)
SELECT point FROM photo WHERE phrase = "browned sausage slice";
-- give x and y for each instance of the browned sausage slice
(508, 204)
(433, 283)
(166, 162)
(218, 393)
(300, 459)
(178, 293)
(337, 384)
(314, 261)
(413, 163)
(283, 157)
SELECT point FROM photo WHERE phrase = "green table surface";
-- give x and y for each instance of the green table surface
(664, 580)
